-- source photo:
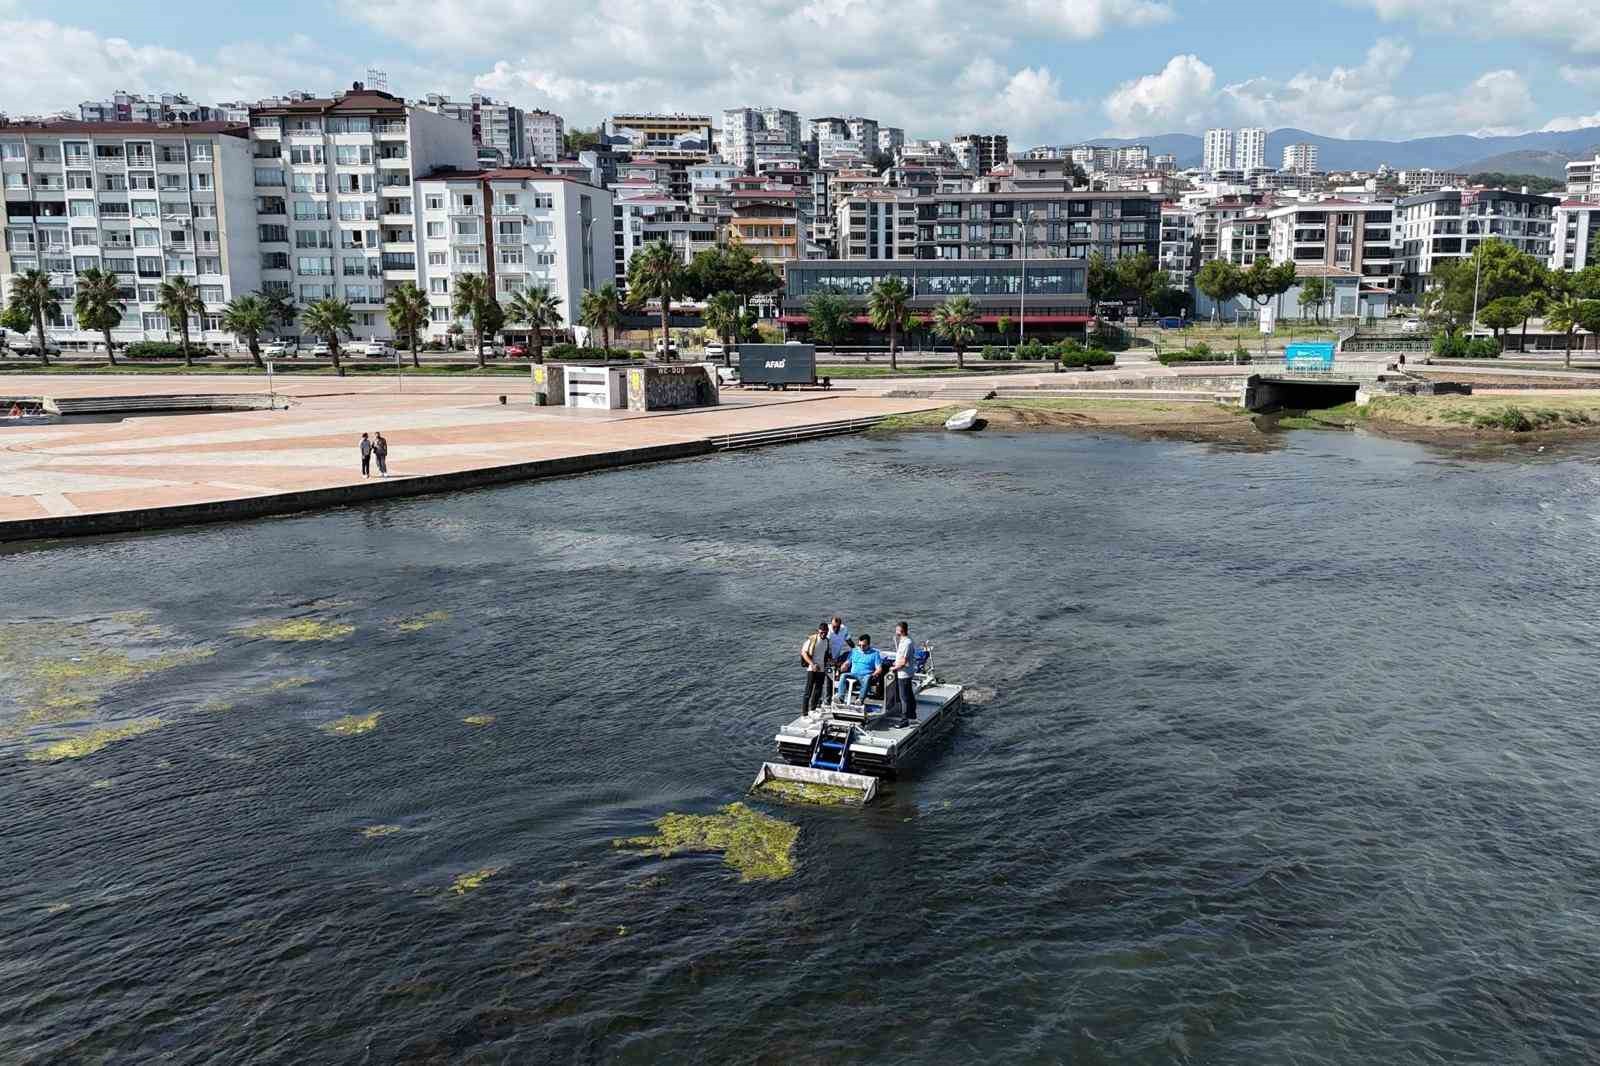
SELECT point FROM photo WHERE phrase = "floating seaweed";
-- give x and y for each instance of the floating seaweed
(352, 725)
(422, 621)
(374, 832)
(89, 743)
(63, 672)
(812, 792)
(298, 629)
(759, 846)
(479, 719)
(467, 882)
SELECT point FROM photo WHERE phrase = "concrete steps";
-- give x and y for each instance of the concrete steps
(104, 405)
(1164, 395)
(789, 434)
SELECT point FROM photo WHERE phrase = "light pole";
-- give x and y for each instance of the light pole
(1022, 307)
(1477, 276)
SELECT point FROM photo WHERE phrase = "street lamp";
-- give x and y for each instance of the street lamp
(1026, 215)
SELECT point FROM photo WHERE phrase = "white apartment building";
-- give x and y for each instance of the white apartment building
(742, 125)
(890, 140)
(1576, 241)
(1250, 148)
(136, 107)
(545, 135)
(336, 211)
(148, 202)
(1350, 235)
(522, 228)
(644, 211)
(876, 224)
(1177, 250)
(1218, 150)
(1426, 179)
(864, 131)
(1243, 239)
(1450, 224)
(495, 124)
(1300, 158)
(1583, 179)
(666, 136)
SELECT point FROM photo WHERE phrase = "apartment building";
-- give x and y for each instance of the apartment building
(679, 136)
(1176, 252)
(876, 224)
(522, 228)
(495, 124)
(1576, 238)
(1342, 238)
(1244, 239)
(336, 210)
(1250, 148)
(1583, 179)
(778, 130)
(1218, 150)
(1426, 179)
(544, 133)
(643, 211)
(766, 218)
(146, 201)
(137, 107)
(890, 140)
(1451, 223)
(981, 152)
(864, 131)
(1211, 212)
(1301, 158)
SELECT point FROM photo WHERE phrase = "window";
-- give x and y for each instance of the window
(149, 266)
(469, 257)
(12, 150)
(508, 202)
(173, 182)
(148, 294)
(313, 238)
(350, 125)
(80, 180)
(545, 259)
(543, 199)
(436, 259)
(305, 125)
(436, 229)
(307, 210)
(463, 201)
(81, 208)
(146, 238)
(306, 154)
(439, 285)
(433, 202)
(511, 257)
(269, 176)
(511, 231)
(108, 151)
(177, 237)
(354, 182)
(211, 294)
(200, 151)
(84, 238)
(275, 261)
(16, 181)
(368, 318)
(351, 155)
(180, 264)
(212, 322)
(111, 182)
(80, 263)
(314, 265)
(209, 264)
(438, 314)
(466, 227)
(154, 323)
(313, 293)
(142, 181)
(272, 233)
(202, 181)
(310, 182)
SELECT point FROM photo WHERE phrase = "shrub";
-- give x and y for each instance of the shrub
(1458, 346)
(1035, 352)
(1196, 353)
(1483, 348)
(1109, 337)
(1239, 355)
(993, 354)
(158, 350)
(1074, 355)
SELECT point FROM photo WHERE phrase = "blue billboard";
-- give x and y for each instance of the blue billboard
(1309, 355)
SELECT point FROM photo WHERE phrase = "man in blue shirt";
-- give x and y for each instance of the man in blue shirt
(866, 662)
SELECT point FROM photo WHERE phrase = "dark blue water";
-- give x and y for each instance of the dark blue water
(1275, 757)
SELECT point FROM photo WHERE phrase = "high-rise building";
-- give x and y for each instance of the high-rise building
(742, 127)
(864, 131)
(494, 124)
(1577, 235)
(982, 152)
(1300, 157)
(1218, 150)
(1451, 223)
(545, 134)
(890, 140)
(1250, 148)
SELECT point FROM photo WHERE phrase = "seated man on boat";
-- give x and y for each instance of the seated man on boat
(865, 664)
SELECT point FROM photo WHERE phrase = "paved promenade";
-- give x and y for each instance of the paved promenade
(435, 427)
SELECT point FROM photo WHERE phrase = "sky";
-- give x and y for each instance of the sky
(1043, 71)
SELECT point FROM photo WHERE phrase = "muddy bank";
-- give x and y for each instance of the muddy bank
(1140, 419)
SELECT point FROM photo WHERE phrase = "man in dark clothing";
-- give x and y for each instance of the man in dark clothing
(366, 456)
(380, 452)
(814, 657)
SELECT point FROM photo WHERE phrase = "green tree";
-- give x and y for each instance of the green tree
(1102, 280)
(1138, 278)
(888, 308)
(1494, 269)
(98, 305)
(31, 292)
(1502, 314)
(722, 314)
(601, 309)
(956, 320)
(1585, 283)
(15, 318)
(408, 313)
(728, 268)
(1563, 315)
(247, 317)
(281, 309)
(1265, 281)
(1221, 281)
(1313, 294)
(539, 309)
(656, 273)
(1589, 317)
(1002, 326)
(829, 315)
(330, 320)
(471, 301)
(1532, 305)
(179, 300)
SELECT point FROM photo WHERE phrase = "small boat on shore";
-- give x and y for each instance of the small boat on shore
(842, 750)
(962, 421)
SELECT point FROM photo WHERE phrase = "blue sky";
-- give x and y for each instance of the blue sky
(1045, 71)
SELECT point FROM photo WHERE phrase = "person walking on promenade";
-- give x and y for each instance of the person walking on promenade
(905, 667)
(814, 657)
(380, 452)
(366, 456)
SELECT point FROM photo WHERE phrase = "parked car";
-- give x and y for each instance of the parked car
(278, 350)
(28, 344)
(377, 350)
(1172, 322)
(516, 351)
(666, 350)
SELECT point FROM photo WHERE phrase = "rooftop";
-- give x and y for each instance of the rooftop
(68, 127)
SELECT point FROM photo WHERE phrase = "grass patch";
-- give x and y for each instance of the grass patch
(809, 792)
(352, 725)
(299, 629)
(1490, 414)
(759, 846)
(94, 740)
(1062, 411)
(851, 371)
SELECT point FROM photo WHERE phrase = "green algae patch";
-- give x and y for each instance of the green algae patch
(467, 882)
(479, 719)
(810, 792)
(352, 725)
(298, 630)
(376, 832)
(422, 621)
(89, 743)
(759, 846)
(57, 687)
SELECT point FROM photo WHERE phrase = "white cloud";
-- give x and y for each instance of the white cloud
(1359, 101)
(1563, 123)
(100, 65)
(1568, 25)
(1582, 77)
(1177, 97)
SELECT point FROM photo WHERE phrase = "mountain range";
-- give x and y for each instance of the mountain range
(1522, 153)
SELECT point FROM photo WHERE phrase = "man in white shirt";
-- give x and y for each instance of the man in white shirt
(905, 667)
(814, 657)
(839, 643)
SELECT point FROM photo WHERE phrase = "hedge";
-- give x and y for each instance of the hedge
(158, 350)
(1457, 346)
(1202, 353)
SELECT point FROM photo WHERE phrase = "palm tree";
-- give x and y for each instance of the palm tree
(1563, 315)
(330, 319)
(178, 300)
(829, 315)
(280, 309)
(470, 301)
(656, 272)
(722, 314)
(541, 310)
(99, 305)
(247, 317)
(31, 291)
(889, 306)
(408, 314)
(956, 320)
(601, 310)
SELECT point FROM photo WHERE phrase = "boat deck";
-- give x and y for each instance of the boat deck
(879, 745)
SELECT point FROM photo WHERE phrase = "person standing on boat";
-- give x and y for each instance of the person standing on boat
(905, 667)
(839, 645)
(866, 662)
(814, 657)
(366, 456)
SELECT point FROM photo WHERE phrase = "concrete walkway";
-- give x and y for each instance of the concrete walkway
(436, 428)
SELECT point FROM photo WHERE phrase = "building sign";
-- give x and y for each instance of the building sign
(1309, 355)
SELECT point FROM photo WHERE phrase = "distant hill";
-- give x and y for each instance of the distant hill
(1457, 152)
(1543, 164)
